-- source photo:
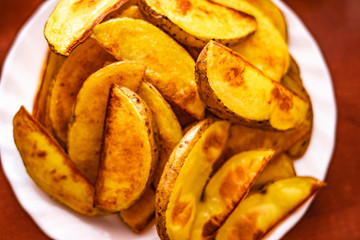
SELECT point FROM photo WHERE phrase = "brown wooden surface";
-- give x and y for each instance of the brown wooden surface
(335, 212)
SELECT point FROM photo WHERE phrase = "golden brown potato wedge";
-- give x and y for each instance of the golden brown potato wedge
(169, 129)
(261, 211)
(226, 188)
(72, 20)
(169, 67)
(266, 49)
(83, 61)
(278, 167)
(87, 122)
(185, 175)
(139, 215)
(129, 9)
(50, 167)
(129, 151)
(234, 89)
(41, 102)
(195, 22)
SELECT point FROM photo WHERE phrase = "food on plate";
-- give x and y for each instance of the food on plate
(86, 59)
(139, 215)
(50, 167)
(72, 20)
(129, 151)
(129, 9)
(279, 167)
(169, 67)
(51, 66)
(195, 22)
(266, 49)
(87, 121)
(234, 89)
(169, 129)
(260, 212)
(225, 189)
(185, 175)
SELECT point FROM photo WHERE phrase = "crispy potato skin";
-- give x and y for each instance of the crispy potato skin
(171, 172)
(129, 151)
(164, 22)
(50, 167)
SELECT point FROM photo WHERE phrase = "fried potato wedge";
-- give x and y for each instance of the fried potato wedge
(195, 22)
(87, 122)
(234, 89)
(169, 129)
(50, 167)
(227, 187)
(82, 62)
(260, 212)
(269, 8)
(139, 215)
(129, 9)
(278, 167)
(243, 138)
(129, 151)
(41, 102)
(185, 175)
(266, 49)
(72, 20)
(169, 67)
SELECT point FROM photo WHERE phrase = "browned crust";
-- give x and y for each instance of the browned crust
(187, 39)
(87, 32)
(213, 103)
(171, 172)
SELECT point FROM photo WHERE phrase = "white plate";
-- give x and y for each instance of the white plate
(19, 84)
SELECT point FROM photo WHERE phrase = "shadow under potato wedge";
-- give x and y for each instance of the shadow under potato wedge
(257, 214)
(195, 22)
(87, 122)
(72, 20)
(50, 167)
(170, 68)
(233, 89)
(129, 151)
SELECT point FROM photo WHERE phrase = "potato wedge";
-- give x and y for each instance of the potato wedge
(83, 61)
(169, 67)
(234, 89)
(195, 22)
(266, 49)
(129, 151)
(72, 20)
(260, 212)
(190, 162)
(87, 122)
(279, 167)
(170, 132)
(139, 215)
(129, 9)
(226, 188)
(41, 102)
(50, 167)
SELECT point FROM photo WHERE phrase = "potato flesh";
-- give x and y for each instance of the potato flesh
(197, 167)
(86, 127)
(248, 93)
(170, 132)
(265, 49)
(169, 67)
(205, 20)
(128, 153)
(226, 189)
(260, 212)
(49, 166)
(83, 61)
(72, 20)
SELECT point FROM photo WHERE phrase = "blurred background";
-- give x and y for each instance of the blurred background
(335, 212)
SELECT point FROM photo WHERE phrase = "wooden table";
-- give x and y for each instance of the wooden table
(335, 212)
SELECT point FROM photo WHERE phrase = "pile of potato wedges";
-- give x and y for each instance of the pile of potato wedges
(191, 112)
